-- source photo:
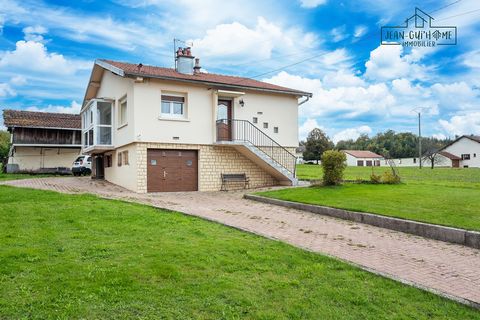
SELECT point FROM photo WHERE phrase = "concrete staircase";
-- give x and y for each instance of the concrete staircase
(263, 160)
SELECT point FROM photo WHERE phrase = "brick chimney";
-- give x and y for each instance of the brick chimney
(196, 69)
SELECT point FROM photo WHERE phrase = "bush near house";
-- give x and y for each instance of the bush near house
(333, 165)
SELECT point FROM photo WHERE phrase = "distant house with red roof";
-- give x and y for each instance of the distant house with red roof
(362, 158)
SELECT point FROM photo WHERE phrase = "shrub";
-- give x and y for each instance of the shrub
(333, 164)
(375, 178)
(389, 178)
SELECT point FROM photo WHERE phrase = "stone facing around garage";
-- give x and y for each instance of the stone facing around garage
(212, 162)
(431, 231)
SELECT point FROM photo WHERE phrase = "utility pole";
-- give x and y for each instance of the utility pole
(419, 141)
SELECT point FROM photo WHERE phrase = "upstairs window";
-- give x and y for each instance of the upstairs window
(173, 106)
(122, 116)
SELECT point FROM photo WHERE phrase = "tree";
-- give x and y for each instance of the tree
(431, 147)
(4, 147)
(317, 143)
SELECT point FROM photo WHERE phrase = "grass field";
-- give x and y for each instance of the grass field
(78, 256)
(442, 196)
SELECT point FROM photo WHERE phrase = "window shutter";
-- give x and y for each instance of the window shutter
(119, 159)
(173, 98)
(125, 158)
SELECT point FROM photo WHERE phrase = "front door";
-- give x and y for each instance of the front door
(99, 168)
(224, 120)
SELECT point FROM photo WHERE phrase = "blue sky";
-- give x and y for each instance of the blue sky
(47, 50)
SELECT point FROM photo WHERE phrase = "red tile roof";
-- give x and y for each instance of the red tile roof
(449, 155)
(362, 154)
(31, 119)
(209, 78)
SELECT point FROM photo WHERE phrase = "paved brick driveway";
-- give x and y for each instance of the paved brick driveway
(451, 270)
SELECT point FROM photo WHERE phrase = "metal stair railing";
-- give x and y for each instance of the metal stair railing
(244, 131)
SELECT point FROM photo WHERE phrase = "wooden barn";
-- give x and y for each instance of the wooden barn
(42, 142)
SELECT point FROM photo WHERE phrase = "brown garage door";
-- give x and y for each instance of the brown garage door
(172, 170)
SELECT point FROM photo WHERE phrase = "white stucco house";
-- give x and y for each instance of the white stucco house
(42, 142)
(361, 158)
(464, 152)
(154, 129)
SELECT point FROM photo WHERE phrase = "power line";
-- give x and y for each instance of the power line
(325, 53)
(446, 6)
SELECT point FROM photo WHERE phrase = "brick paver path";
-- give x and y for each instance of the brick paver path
(451, 270)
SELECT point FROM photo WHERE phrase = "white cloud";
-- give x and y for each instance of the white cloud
(390, 62)
(34, 33)
(342, 78)
(307, 126)
(312, 3)
(73, 108)
(6, 90)
(462, 124)
(439, 136)
(250, 43)
(33, 56)
(2, 22)
(339, 33)
(351, 133)
(360, 31)
(18, 80)
(472, 59)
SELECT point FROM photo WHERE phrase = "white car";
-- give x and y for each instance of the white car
(82, 166)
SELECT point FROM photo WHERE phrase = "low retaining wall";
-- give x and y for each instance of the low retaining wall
(432, 231)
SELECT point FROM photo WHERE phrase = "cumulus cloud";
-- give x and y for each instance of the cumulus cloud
(472, 59)
(351, 133)
(390, 62)
(307, 126)
(250, 43)
(34, 33)
(312, 3)
(33, 56)
(2, 22)
(462, 124)
(73, 108)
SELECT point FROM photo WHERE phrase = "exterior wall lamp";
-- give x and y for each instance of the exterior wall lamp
(242, 103)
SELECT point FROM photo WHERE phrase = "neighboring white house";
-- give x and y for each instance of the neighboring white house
(299, 154)
(154, 129)
(465, 150)
(361, 158)
(42, 142)
(442, 159)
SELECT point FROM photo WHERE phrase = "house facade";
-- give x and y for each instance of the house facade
(362, 158)
(153, 129)
(42, 142)
(464, 151)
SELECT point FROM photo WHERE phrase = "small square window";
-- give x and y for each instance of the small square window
(122, 118)
(119, 159)
(125, 158)
(108, 161)
(255, 120)
(265, 125)
(275, 129)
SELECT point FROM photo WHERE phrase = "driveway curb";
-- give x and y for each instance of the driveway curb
(447, 234)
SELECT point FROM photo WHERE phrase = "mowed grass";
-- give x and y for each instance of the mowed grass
(442, 196)
(78, 256)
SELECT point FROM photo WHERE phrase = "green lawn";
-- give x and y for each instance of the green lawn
(443, 196)
(78, 256)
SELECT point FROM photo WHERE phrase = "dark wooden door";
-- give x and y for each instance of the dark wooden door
(224, 120)
(455, 163)
(99, 167)
(172, 170)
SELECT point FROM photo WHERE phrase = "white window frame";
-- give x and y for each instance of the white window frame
(121, 101)
(171, 114)
(90, 122)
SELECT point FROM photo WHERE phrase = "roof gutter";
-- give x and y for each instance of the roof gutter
(306, 99)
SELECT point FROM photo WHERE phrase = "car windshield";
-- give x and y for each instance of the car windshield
(89, 159)
(79, 159)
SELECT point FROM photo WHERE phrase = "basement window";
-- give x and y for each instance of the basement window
(275, 129)
(173, 106)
